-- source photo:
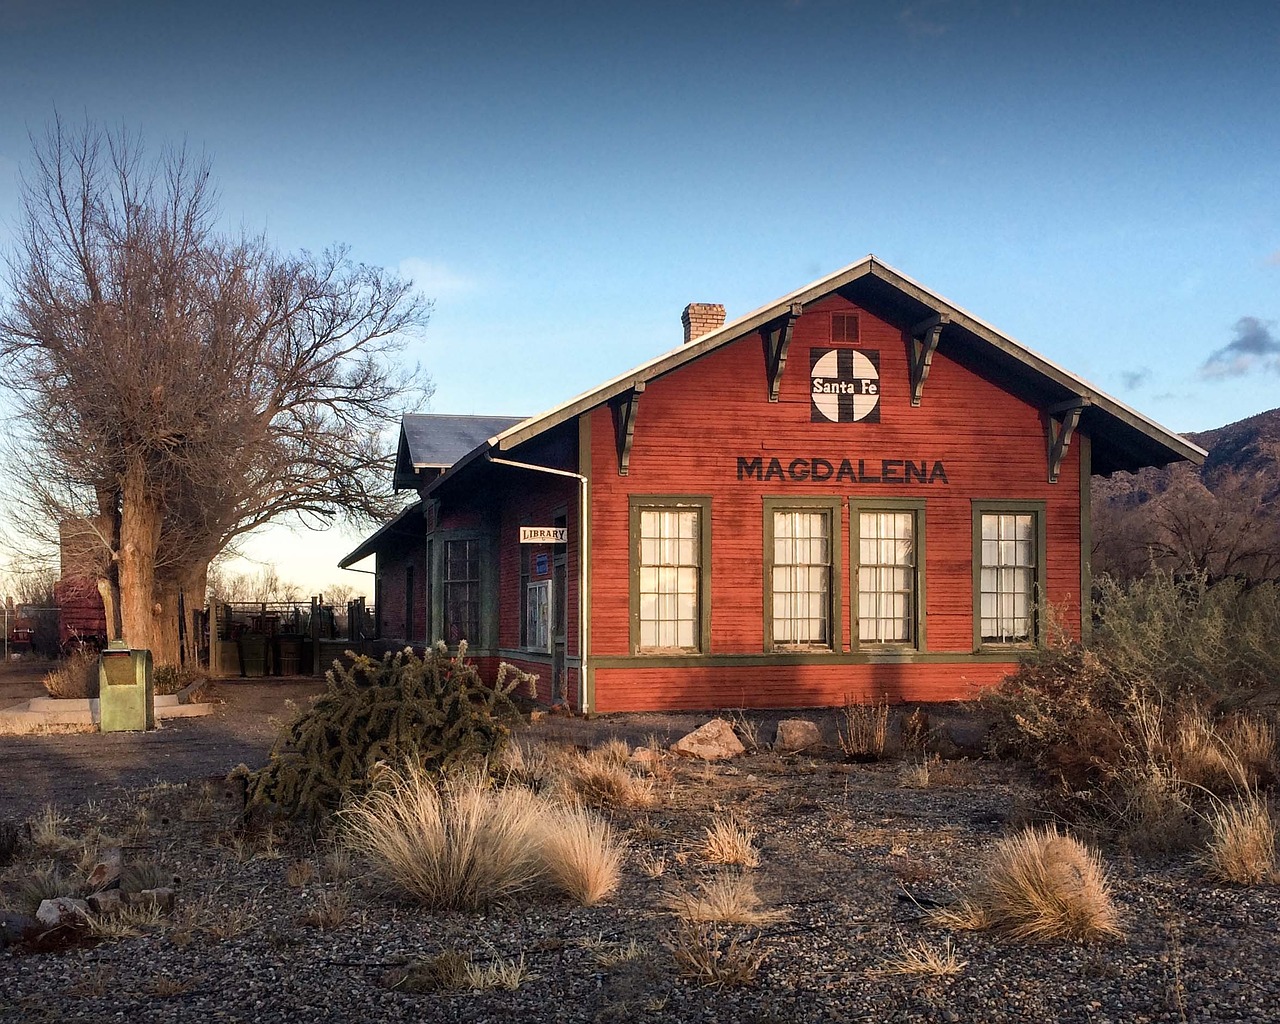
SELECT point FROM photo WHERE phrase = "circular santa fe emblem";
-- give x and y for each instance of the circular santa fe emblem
(845, 385)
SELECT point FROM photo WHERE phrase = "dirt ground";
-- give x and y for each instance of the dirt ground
(71, 769)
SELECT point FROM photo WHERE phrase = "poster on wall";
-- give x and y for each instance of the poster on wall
(845, 385)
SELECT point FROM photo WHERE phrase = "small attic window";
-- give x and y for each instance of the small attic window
(844, 327)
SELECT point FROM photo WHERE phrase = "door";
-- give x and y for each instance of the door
(559, 619)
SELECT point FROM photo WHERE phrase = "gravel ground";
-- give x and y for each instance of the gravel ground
(841, 847)
(69, 769)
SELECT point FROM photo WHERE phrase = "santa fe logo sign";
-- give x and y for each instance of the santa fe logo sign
(845, 385)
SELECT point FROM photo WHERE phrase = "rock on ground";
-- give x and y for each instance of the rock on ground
(61, 911)
(797, 734)
(714, 741)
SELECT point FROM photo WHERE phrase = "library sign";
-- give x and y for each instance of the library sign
(854, 471)
(544, 535)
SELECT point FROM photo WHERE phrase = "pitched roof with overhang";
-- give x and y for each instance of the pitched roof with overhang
(433, 441)
(1122, 438)
(407, 524)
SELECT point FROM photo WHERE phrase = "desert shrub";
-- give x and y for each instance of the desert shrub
(922, 960)
(1039, 884)
(1134, 729)
(169, 679)
(728, 898)
(863, 729)
(1242, 842)
(76, 676)
(433, 711)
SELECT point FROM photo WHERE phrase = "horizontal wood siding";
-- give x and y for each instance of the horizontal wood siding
(693, 424)
(535, 500)
(794, 686)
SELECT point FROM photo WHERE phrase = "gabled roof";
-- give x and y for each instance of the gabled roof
(432, 441)
(407, 523)
(1123, 438)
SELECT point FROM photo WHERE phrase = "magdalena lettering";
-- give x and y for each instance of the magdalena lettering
(860, 471)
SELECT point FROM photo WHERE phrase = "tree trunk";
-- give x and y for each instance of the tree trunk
(111, 606)
(140, 522)
(166, 647)
(195, 587)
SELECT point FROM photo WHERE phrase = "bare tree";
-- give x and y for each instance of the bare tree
(177, 387)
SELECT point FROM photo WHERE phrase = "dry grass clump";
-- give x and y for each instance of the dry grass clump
(47, 831)
(921, 960)
(460, 843)
(654, 865)
(730, 842)
(728, 898)
(43, 883)
(331, 910)
(581, 856)
(1038, 885)
(76, 676)
(1242, 842)
(709, 956)
(599, 779)
(452, 971)
(126, 923)
(300, 873)
(914, 776)
(455, 844)
(864, 729)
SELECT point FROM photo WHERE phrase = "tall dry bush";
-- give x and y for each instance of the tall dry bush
(76, 676)
(1131, 727)
(864, 729)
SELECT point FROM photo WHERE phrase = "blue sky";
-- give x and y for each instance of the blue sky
(1097, 179)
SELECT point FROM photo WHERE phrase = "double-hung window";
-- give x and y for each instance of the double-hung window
(1008, 559)
(802, 574)
(670, 543)
(888, 543)
(462, 591)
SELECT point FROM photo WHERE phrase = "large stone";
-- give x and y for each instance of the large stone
(711, 742)
(797, 734)
(106, 873)
(62, 911)
(109, 901)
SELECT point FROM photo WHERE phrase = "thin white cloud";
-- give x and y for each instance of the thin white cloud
(435, 279)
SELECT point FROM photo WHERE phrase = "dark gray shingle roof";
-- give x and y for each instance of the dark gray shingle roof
(438, 441)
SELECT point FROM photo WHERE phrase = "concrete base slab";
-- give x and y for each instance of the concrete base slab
(68, 711)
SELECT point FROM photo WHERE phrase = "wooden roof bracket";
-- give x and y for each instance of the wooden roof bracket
(1060, 422)
(777, 340)
(924, 343)
(624, 408)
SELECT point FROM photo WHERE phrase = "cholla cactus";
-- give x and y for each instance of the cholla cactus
(434, 711)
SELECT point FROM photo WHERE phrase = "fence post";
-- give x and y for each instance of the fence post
(315, 635)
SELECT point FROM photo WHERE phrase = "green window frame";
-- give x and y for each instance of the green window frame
(463, 558)
(1009, 550)
(666, 561)
(801, 562)
(865, 572)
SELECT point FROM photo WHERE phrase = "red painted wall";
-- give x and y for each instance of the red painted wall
(691, 426)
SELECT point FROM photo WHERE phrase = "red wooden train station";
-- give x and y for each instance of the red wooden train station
(858, 490)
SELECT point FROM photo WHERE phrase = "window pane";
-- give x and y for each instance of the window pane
(801, 577)
(886, 577)
(1007, 577)
(669, 553)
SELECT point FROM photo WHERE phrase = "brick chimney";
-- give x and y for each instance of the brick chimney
(701, 318)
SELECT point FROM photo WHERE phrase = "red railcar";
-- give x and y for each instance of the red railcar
(82, 621)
